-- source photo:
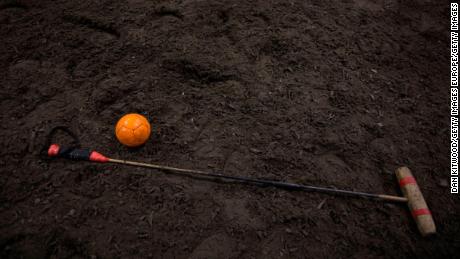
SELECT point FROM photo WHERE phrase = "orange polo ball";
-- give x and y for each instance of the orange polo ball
(132, 130)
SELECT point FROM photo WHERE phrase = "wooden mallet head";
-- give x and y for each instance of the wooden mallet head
(417, 205)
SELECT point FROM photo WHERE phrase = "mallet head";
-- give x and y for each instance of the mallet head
(417, 205)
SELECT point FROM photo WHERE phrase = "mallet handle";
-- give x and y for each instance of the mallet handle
(76, 153)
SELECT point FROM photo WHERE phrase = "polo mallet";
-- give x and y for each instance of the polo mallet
(412, 194)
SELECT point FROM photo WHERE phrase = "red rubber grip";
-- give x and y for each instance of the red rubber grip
(76, 154)
(53, 150)
(97, 157)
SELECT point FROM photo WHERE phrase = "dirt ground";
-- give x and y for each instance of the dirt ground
(329, 93)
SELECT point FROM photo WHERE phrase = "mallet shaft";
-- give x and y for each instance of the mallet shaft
(264, 182)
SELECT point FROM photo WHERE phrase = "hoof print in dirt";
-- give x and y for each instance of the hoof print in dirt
(217, 246)
(168, 11)
(107, 92)
(13, 5)
(91, 24)
(276, 47)
(203, 73)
